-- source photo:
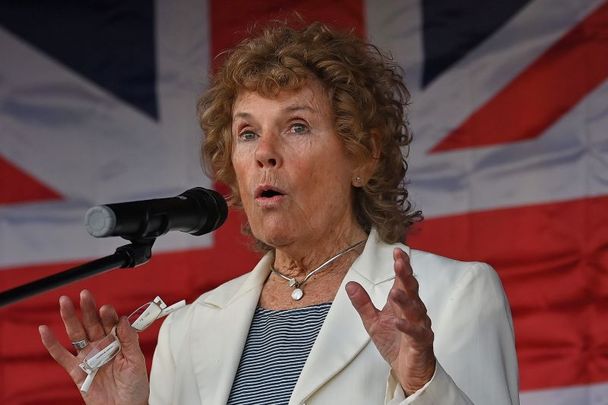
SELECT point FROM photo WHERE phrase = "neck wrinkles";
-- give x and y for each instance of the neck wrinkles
(298, 263)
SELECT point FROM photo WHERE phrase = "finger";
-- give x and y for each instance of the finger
(129, 341)
(402, 283)
(398, 267)
(59, 353)
(404, 273)
(405, 278)
(90, 317)
(73, 326)
(362, 303)
(109, 317)
(411, 309)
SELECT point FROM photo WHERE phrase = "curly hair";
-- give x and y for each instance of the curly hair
(367, 94)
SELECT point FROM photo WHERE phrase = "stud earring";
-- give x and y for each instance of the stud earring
(357, 181)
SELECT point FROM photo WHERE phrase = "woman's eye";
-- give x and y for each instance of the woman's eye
(299, 128)
(247, 135)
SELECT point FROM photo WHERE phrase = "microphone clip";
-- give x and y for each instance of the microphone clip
(136, 253)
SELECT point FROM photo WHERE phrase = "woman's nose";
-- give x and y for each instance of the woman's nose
(267, 152)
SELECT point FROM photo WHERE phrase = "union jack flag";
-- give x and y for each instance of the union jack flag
(509, 162)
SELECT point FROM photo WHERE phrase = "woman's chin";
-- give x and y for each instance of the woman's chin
(275, 237)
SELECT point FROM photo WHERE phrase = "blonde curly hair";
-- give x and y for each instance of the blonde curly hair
(367, 94)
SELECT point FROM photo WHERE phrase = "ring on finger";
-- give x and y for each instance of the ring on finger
(80, 344)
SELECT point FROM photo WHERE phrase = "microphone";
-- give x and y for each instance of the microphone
(196, 211)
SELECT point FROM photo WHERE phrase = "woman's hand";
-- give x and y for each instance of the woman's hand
(124, 379)
(402, 329)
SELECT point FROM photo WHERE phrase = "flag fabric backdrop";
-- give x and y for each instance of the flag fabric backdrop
(509, 162)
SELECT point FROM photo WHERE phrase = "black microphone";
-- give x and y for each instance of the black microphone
(196, 211)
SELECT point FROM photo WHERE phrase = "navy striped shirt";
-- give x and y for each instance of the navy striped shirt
(275, 352)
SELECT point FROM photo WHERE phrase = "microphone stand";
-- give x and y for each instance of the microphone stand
(137, 252)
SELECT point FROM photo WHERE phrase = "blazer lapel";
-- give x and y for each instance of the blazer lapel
(342, 335)
(220, 328)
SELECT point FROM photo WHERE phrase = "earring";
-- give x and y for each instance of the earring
(357, 181)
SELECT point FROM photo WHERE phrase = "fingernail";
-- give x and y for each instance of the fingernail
(350, 288)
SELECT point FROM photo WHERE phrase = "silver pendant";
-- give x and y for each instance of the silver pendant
(297, 294)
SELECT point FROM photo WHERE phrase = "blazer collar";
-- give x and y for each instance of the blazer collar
(253, 282)
(342, 335)
(220, 327)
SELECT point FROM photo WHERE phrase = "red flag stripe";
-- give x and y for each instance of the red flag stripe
(16, 186)
(231, 19)
(553, 261)
(541, 94)
(560, 318)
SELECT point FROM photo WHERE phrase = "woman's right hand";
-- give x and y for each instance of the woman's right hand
(124, 379)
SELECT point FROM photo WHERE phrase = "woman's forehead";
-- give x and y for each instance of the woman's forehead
(310, 97)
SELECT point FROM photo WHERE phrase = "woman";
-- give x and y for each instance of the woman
(306, 126)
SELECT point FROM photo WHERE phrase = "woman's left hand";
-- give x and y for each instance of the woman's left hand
(402, 329)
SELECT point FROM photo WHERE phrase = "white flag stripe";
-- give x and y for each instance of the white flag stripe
(557, 166)
(183, 62)
(478, 76)
(97, 149)
(396, 26)
(594, 394)
(553, 167)
(67, 131)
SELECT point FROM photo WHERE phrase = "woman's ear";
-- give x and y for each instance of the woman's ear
(368, 164)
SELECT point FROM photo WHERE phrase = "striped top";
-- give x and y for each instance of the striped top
(275, 352)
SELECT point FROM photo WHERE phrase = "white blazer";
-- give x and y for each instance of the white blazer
(200, 346)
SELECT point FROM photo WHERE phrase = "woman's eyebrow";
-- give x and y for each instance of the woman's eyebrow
(295, 108)
(242, 115)
(288, 109)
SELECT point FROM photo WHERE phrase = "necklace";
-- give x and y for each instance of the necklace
(298, 293)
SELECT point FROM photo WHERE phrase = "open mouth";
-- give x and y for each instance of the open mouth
(268, 192)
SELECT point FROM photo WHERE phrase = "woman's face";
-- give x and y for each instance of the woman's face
(292, 170)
